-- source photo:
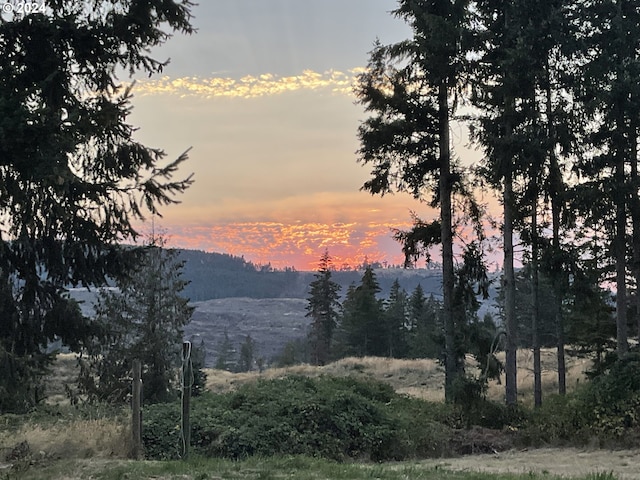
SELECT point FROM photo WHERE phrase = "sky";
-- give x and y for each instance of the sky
(262, 94)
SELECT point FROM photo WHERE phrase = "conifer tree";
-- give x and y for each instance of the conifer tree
(611, 95)
(226, 354)
(362, 323)
(503, 86)
(324, 309)
(143, 319)
(247, 352)
(395, 318)
(425, 328)
(411, 90)
(73, 180)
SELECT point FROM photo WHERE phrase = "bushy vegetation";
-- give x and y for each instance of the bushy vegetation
(335, 418)
(342, 418)
(605, 410)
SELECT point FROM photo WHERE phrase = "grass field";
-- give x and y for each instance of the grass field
(299, 468)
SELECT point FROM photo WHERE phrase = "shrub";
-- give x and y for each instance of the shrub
(335, 418)
(607, 408)
(161, 431)
(611, 402)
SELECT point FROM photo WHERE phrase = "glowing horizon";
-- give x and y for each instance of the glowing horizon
(298, 245)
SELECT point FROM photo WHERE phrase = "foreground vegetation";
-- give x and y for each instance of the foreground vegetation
(323, 426)
(299, 467)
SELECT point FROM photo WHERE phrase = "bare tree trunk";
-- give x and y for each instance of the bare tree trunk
(557, 294)
(447, 240)
(620, 199)
(535, 304)
(635, 220)
(509, 285)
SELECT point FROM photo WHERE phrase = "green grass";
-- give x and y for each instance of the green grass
(274, 468)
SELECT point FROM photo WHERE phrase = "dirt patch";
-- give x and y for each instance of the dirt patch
(478, 440)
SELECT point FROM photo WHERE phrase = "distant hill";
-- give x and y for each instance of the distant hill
(215, 275)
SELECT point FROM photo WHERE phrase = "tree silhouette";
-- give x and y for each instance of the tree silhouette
(72, 178)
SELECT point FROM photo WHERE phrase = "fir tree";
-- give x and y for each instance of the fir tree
(74, 181)
(411, 89)
(362, 322)
(226, 354)
(142, 319)
(395, 318)
(247, 352)
(425, 331)
(323, 308)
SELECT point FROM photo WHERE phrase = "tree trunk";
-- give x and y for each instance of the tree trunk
(557, 293)
(447, 240)
(509, 285)
(635, 220)
(555, 187)
(621, 259)
(535, 304)
(620, 199)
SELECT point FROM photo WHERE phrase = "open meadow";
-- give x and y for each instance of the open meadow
(63, 442)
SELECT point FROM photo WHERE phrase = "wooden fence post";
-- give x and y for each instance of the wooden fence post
(187, 376)
(136, 410)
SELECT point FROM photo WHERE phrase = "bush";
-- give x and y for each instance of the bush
(556, 422)
(607, 409)
(611, 403)
(335, 418)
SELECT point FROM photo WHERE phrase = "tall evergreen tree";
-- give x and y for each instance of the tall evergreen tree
(324, 309)
(226, 354)
(505, 86)
(73, 180)
(395, 319)
(247, 352)
(411, 90)
(142, 320)
(362, 322)
(611, 94)
(425, 327)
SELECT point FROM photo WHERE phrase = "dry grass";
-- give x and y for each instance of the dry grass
(423, 378)
(106, 437)
(575, 374)
(64, 372)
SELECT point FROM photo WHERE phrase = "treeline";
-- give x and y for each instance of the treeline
(402, 325)
(215, 275)
(212, 275)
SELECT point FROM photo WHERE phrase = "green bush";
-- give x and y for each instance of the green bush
(611, 402)
(161, 431)
(556, 422)
(607, 408)
(335, 418)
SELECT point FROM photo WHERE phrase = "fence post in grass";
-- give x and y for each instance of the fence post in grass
(187, 380)
(136, 411)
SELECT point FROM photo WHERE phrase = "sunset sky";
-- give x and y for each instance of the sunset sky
(262, 94)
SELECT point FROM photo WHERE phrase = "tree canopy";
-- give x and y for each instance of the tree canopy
(74, 182)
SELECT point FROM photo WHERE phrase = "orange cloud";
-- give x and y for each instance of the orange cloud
(298, 244)
(249, 86)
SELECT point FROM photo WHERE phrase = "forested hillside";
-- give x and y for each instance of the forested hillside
(216, 275)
